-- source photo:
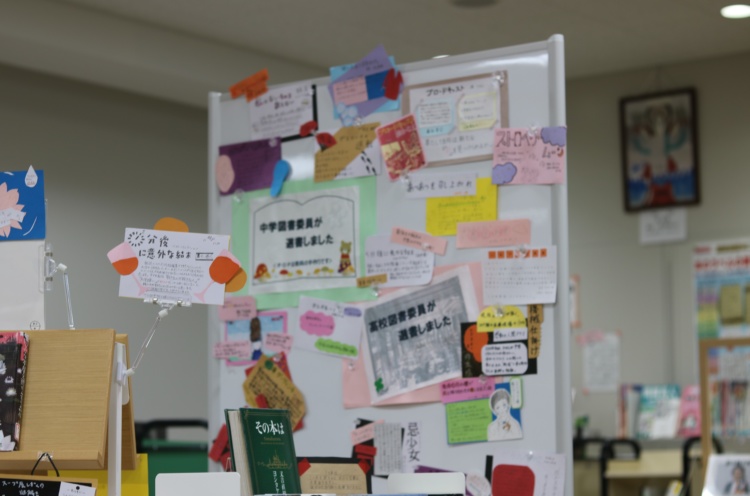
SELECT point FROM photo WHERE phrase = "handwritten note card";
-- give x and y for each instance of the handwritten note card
(456, 117)
(232, 349)
(416, 239)
(444, 214)
(238, 308)
(174, 266)
(440, 184)
(355, 154)
(277, 342)
(520, 278)
(529, 156)
(473, 388)
(405, 266)
(401, 147)
(493, 233)
(329, 327)
(268, 380)
(281, 111)
(359, 89)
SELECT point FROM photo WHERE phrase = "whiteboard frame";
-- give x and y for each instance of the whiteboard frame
(220, 223)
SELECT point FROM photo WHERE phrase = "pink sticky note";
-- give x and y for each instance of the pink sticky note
(364, 433)
(419, 240)
(350, 91)
(277, 342)
(493, 233)
(470, 388)
(232, 349)
(238, 308)
(529, 156)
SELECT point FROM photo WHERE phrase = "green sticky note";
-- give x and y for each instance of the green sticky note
(367, 224)
(467, 421)
(336, 347)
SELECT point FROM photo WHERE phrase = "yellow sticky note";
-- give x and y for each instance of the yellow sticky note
(477, 111)
(134, 482)
(443, 214)
(350, 142)
(512, 319)
(730, 303)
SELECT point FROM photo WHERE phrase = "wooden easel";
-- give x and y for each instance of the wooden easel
(71, 381)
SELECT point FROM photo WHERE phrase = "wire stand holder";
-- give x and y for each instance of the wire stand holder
(50, 269)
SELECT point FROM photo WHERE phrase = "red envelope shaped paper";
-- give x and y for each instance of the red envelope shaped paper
(512, 480)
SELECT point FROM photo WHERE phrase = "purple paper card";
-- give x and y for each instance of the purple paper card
(350, 90)
(247, 166)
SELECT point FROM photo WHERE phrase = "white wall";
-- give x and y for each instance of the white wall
(646, 292)
(114, 160)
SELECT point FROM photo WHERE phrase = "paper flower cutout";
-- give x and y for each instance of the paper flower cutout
(347, 114)
(11, 213)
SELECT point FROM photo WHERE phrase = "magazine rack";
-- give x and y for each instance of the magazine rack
(71, 395)
(706, 345)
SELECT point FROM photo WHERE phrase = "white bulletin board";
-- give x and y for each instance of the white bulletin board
(535, 97)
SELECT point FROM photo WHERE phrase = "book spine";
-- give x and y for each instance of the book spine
(229, 435)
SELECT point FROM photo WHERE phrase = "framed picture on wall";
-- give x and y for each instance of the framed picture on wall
(659, 150)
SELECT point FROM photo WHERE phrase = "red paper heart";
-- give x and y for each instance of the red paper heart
(392, 84)
(325, 140)
(308, 128)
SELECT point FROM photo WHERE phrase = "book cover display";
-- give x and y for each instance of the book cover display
(269, 460)
(14, 347)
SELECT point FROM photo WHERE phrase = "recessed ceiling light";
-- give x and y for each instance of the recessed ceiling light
(440, 56)
(473, 3)
(737, 11)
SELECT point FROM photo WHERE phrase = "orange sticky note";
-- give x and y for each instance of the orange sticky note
(252, 86)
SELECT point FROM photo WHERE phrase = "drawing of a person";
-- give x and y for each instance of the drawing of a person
(738, 484)
(255, 339)
(504, 426)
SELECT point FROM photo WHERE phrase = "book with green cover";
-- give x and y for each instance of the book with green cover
(271, 458)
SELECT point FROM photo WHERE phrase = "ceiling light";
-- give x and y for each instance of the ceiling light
(473, 3)
(737, 11)
(440, 56)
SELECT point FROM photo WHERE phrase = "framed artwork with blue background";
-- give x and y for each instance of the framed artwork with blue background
(660, 150)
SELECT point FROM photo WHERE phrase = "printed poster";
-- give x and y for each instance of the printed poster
(329, 327)
(457, 117)
(727, 474)
(22, 208)
(305, 241)
(401, 147)
(413, 335)
(173, 266)
(333, 289)
(255, 330)
(601, 361)
(280, 112)
(721, 272)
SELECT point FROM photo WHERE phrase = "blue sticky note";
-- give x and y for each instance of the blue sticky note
(22, 211)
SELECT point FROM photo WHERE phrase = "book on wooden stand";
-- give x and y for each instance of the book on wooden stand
(263, 451)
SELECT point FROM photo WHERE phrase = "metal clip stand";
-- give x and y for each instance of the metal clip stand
(120, 395)
(50, 269)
